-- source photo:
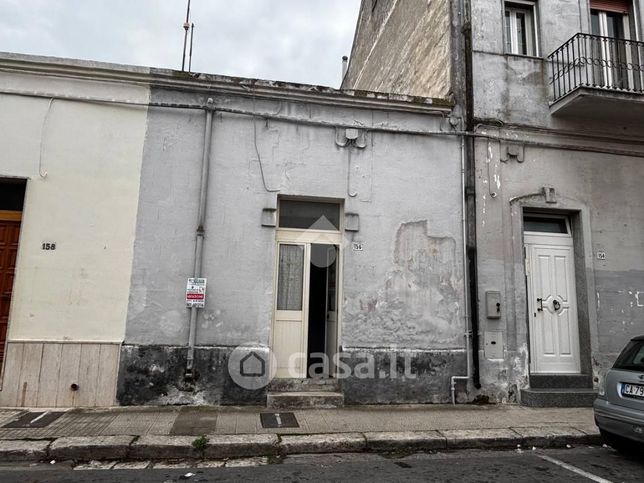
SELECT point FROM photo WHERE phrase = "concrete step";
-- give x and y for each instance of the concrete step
(558, 397)
(305, 399)
(561, 381)
(304, 385)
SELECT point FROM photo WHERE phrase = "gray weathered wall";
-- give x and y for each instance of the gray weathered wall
(604, 193)
(516, 89)
(602, 188)
(599, 190)
(403, 291)
(402, 47)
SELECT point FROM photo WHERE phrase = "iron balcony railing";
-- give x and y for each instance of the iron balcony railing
(598, 62)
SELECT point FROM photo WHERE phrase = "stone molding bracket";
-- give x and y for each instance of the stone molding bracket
(351, 137)
(512, 152)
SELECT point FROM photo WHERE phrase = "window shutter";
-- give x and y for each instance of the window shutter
(619, 6)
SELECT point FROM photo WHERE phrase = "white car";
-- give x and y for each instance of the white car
(619, 407)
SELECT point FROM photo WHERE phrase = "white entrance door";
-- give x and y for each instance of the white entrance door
(306, 319)
(289, 327)
(291, 318)
(554, 331)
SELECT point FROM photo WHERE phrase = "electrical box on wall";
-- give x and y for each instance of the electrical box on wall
(494, 344)
(493, 304)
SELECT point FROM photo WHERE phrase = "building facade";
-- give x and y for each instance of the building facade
(550, 99)
(69, 185)
(322, 225)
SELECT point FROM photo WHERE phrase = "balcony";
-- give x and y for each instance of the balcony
(598, 77)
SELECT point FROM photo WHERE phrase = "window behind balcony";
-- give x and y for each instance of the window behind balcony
(610, 18)
(613, 54)
(520, 28)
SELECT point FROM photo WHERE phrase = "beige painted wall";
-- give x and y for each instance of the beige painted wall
(83, 197)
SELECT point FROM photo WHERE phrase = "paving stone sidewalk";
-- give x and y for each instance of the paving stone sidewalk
(170, 432)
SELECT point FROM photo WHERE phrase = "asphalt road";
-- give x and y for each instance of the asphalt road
(581, 464)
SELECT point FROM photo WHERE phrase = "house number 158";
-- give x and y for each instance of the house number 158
(49, 246)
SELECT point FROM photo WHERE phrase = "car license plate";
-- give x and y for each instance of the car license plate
(633, 390)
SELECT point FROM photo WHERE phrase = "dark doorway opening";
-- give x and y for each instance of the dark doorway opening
(322, 320)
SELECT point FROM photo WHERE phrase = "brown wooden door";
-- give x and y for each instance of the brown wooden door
(9, 234)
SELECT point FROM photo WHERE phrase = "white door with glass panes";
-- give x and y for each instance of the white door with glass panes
(289, 327)
(306, 316)
(552, 301)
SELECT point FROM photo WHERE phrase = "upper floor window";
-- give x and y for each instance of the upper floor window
(610, 18)
(520, 28)
(615, 59)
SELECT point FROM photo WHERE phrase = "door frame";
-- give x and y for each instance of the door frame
(307, 237)
(579, 215)
(550, 240)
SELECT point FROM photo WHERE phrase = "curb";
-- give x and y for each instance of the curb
(405, 441)
(323, 443)
(154, 447)
(90, 448)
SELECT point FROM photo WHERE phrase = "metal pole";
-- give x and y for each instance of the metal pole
(186, 26)
(192, 34)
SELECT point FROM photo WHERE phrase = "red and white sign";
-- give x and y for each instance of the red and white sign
(196, 293)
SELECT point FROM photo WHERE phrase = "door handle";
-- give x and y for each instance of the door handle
(556, 305)
(540, 308)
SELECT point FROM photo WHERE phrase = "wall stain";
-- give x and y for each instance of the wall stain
(419, 303)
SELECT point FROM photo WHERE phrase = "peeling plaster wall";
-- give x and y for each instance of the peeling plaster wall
(404, 290)
(420, 299)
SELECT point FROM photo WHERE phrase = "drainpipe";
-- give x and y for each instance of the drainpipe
(468, 172)
(470, 192)
(466, 305)
(201, 223)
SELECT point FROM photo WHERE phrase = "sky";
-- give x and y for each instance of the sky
(289, 40)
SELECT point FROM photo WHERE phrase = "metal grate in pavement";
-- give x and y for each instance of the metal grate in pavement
(278, 420)
(39, 419)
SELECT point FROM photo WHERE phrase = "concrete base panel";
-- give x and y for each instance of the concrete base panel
(401, 377)
(156, 375)
(558, 398)
(59, 374)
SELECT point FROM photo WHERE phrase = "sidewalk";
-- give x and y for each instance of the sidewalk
(175, 432)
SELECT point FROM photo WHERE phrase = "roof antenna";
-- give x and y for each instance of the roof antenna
(186, 27)
(192, 34)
